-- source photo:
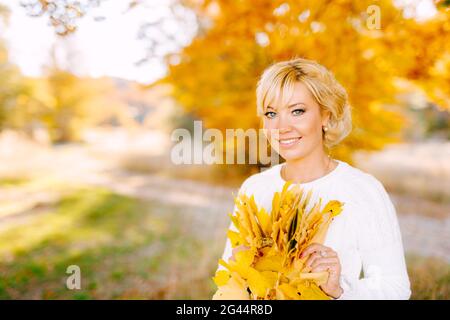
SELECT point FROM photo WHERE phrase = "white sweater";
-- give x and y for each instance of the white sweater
(366, 235)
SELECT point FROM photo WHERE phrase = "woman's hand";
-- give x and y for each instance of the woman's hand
(322, 258)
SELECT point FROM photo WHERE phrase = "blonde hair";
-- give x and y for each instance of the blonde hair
(277, 84)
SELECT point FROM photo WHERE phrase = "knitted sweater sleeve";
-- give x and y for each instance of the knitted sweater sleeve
(379, 245)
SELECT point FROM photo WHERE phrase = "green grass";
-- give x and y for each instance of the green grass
(125, 249)
(430, 278)
(130, 249)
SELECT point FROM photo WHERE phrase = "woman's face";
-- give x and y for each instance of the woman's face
(295, 130)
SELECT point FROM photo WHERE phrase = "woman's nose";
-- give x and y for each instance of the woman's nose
(283, 123)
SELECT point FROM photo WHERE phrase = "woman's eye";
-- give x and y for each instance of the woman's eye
(270, 114)
(298, 111)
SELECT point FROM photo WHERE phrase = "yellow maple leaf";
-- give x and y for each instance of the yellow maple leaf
(232, 290)
(221, 278)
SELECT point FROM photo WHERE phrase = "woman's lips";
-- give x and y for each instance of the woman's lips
(286, 143)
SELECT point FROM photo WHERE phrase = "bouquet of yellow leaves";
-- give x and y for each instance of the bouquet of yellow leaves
(270, 267)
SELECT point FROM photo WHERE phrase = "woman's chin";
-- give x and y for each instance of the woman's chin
(291, 154)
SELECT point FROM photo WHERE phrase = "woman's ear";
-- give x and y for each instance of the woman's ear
(325, 117)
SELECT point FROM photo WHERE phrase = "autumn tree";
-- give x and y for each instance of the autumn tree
(374, 50)
(15, 90)
(71, 104)
(215, 76)
(4, 70)
(9, 76)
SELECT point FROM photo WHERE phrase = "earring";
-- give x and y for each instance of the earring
(325, 128)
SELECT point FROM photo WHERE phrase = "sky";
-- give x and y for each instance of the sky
(110, 47)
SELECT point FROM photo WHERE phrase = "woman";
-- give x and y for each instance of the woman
(305, 111)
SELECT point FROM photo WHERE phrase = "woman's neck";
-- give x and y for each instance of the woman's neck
(308, 169)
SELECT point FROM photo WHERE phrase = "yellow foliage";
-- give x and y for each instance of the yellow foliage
(215, 76)
(231, 290)
(270, 267)
(221, 278)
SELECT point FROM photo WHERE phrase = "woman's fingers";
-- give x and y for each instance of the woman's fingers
(312, 258)
(321, 267)
(324, 259)
(317, 251)
(316, 258)
(319, 261)
(315, 247)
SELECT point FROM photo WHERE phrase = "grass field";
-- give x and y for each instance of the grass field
(132, 249)
(125, 249)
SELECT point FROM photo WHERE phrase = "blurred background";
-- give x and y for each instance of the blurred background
(90, 92)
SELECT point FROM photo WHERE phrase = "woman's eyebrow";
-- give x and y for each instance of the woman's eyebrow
(296, 104)
(290, 106)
